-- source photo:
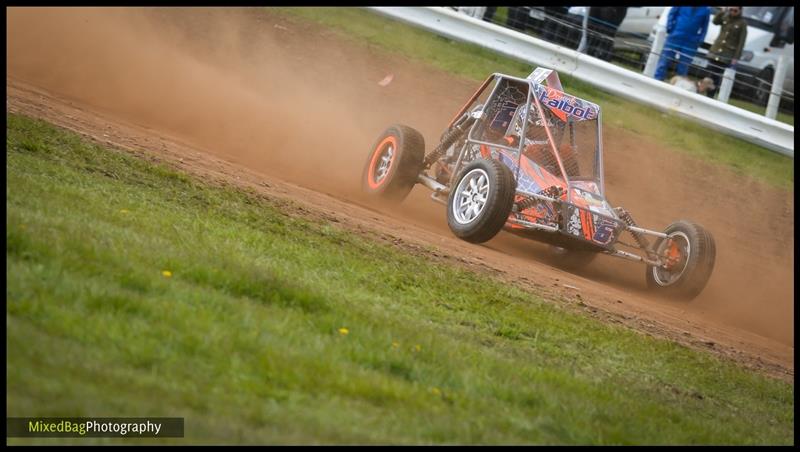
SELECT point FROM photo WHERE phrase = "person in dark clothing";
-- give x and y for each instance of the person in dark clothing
(728, 46)
(602, 27)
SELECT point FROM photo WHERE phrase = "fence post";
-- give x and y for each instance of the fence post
(777, 88)
(582, 45)
(727, 84)
(655, 52)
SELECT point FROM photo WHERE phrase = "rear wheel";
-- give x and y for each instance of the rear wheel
(394, 163)
(479, 205)
(689, 254)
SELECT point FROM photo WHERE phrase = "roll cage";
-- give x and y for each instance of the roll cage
(505, 107)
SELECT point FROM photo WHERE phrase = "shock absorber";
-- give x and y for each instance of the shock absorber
(639, 237)
(553, 191)
(448, 139)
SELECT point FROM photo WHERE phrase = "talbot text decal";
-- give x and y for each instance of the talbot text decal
(562, 104)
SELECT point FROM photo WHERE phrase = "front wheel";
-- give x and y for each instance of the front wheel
(688, 254)
(479, 205)
(394, 163)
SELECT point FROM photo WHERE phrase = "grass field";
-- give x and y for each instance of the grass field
(473, 62)
(136, 290)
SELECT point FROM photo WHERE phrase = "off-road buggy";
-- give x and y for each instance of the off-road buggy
(524, 156)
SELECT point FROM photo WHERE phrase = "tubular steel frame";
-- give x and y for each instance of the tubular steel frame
(469, 141)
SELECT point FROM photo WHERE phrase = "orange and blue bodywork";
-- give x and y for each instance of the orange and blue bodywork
(585, 215)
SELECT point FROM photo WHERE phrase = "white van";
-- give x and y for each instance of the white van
(633, 32)
(631, 36)
(638, 21)
(770, 34)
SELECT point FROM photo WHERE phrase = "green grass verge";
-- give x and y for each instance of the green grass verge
(473, 62)
(244, 339)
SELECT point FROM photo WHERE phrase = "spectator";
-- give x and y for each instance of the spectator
(686, 30)
(603, 24)
(727, 48)
(703, 86)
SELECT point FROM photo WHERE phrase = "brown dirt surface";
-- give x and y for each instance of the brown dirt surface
(256, 99)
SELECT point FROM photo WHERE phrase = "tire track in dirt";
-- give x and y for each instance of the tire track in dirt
(251, 97)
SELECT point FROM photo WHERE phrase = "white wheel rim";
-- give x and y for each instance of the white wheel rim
(471, 195)
(661, 275)
(384, 164)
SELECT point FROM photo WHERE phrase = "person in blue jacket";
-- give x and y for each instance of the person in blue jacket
(686, 30)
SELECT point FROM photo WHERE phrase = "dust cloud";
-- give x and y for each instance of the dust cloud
(302, 103)
(206, 76)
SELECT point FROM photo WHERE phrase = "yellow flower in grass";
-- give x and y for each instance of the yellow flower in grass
(123, 211)
(343, 331)
(435, 391)
(417, 348)
(166, 273)
(395, 344)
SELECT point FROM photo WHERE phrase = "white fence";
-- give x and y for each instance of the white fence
(749, 126)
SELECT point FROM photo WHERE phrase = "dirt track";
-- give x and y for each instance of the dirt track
(291, 110)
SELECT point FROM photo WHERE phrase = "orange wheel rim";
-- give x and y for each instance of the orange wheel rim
(382, 162)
